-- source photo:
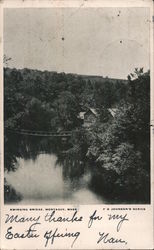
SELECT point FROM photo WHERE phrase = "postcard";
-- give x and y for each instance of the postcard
(76, 124)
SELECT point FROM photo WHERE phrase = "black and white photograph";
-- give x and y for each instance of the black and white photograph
(76, 105)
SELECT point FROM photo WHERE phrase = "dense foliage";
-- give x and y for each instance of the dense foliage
(117, 150)
(39, 100)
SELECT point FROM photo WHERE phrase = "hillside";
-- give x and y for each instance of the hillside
(92, 78)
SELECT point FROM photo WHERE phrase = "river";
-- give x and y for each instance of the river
(41, 178)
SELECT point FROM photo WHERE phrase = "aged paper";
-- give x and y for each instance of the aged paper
(76, 124)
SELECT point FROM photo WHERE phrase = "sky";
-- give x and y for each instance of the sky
(93, 41)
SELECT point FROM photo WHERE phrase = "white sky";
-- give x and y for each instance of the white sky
(105, 41)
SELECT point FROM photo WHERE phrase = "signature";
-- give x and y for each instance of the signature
(106, 238)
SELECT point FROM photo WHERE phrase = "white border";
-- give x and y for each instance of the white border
(76, 4)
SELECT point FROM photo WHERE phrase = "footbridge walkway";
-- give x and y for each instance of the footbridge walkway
(40, 133)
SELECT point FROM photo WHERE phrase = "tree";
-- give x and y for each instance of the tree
(67, 109)
(123, 149)
(37, 116)
(6, 60)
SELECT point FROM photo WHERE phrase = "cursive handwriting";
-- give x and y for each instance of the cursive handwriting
(51, 217)
(30, 233)
(92, 218)
(122, 218)
(105, 238)
(17, 219)
(52, 234)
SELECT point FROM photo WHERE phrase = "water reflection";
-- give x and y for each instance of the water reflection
(44, 181)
